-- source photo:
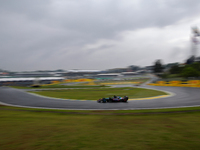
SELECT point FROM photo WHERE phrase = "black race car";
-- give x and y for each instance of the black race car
(113, 99)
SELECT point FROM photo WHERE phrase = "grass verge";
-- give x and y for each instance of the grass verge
(94, 94)
(42, 130)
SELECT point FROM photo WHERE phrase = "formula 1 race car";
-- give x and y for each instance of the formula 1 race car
(113, 99)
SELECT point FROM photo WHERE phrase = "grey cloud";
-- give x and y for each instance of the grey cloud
(46, 30)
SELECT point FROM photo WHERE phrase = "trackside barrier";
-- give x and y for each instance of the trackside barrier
(69, 80)
(189, 83)
(79, 80)
(119, 83)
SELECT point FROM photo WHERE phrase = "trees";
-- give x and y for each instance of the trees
(183, 70)
(190, 60)
(176, 69)
(158, 68)
(190, 72)
(196, 65)
(191, 69)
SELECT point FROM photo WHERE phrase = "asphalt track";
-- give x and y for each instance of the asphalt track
(183, 97)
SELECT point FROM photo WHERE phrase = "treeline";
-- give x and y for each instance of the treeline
(188, 70)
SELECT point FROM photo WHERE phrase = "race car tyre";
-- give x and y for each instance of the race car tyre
(125, 97)
(104, 100)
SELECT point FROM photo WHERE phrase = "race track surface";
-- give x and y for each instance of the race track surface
(184, 97)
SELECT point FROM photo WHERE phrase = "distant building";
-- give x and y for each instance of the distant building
(28, 81)
(81, 73)
(33, 74)
(108, 75)
(149, 69)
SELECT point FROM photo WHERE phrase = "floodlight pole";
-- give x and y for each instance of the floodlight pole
(194, 41)
(194, 49)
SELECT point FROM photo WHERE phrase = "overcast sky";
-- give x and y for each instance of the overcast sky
(94, 34)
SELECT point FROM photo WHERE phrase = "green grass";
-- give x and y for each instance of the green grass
(59, 131)
(94, 94)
